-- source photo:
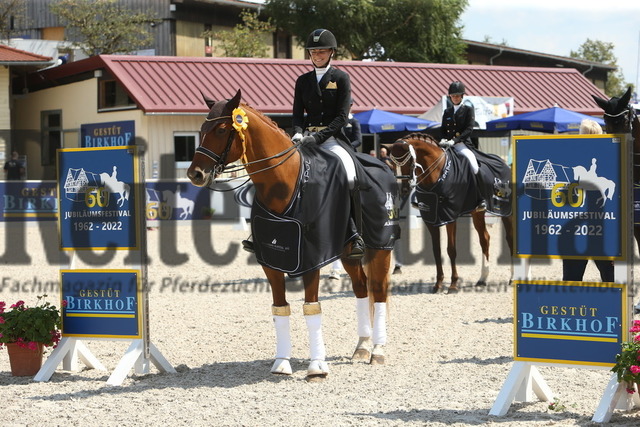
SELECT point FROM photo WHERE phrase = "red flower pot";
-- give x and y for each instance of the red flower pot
(24, 361)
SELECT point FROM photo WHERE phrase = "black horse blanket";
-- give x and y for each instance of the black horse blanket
(458, 192)
(314, 229)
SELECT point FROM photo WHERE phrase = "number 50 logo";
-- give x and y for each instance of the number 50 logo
(561, 194)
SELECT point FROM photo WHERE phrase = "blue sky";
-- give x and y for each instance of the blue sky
(559, 26)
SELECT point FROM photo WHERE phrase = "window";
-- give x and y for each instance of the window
(184, 148)
(281, 45)
(51, 134)
(112, 95)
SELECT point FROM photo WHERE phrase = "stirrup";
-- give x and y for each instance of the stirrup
(357, 248)
(247, 245)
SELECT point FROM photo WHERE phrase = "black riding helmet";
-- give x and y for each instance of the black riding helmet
(456, 88)
(321, 39)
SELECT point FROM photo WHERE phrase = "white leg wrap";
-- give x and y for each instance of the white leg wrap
(283, 346)
(316, 343)
(283, 337)
(364, 317)
(485, 269)
(380, 323)
(317, 354)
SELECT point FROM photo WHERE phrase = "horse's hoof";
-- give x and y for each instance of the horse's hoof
(481, 283)
(318, 368)
(315, 378)
(452, 290)
(361, 354)
(377, 355)
(377, 359)
(281, 367)
(435, 289)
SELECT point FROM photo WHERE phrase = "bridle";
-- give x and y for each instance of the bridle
(221, 159)
(628, 115)
(410, 155)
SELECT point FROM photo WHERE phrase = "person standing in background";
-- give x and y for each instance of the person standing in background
(14, 169)
(573, 269)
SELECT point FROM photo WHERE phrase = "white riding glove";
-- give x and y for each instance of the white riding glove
(296, 138)
(446, 143)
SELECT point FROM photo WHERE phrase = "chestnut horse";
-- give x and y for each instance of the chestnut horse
(419, 156)
(237, 132)
(620, 117)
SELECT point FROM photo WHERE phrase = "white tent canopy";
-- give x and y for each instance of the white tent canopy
(487, 108)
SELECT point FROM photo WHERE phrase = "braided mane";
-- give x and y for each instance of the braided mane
(421, 137)
(267, 120)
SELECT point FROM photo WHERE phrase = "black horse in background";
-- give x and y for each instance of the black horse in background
(620, 117)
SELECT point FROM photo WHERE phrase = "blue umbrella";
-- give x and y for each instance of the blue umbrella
(376, 121)
(554, 119)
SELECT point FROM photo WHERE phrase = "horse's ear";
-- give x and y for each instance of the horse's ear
(232, 104)
(624, 99)
(208, 100)
(602, 103)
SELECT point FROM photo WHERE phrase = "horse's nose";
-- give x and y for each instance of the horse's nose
(196, 175)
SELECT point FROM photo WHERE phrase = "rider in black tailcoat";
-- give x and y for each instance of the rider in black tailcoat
(321, 104)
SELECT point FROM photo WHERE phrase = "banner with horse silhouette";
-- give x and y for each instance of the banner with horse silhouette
(97, 196)
(571, 194)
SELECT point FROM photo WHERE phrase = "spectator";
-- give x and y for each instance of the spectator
(14, 169)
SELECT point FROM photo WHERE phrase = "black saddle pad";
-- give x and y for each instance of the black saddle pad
(314, 229)
(458, 191)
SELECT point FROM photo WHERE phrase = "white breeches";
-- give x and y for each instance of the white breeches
(464, 150)
(347, 161)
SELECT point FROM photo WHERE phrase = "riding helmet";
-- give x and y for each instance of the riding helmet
(321, 39)
(456, 88)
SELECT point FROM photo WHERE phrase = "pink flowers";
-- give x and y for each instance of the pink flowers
(634, 369)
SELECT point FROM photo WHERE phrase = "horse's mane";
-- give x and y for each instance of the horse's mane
(267, 120)
(424, 137)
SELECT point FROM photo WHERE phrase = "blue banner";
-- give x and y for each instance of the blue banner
(97, 198)
(570, 193)
(101, 303)
(569, 322)
(109, 134)
(28, 200)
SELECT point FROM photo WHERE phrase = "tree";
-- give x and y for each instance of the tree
(105, 27)
(602, 52)
(245, 39)
(12, 12)
(380, 30)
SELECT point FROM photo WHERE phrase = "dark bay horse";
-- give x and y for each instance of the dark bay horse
(234, 131)
(419, 156)
(620, 117)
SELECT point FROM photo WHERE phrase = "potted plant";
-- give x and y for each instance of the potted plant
(628, 360)
(25, 331)
(207, 212)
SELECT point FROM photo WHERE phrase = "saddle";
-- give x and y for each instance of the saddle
(459, 192)
(315, 227)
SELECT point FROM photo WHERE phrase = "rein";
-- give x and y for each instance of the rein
(411, 155)
(222, 158)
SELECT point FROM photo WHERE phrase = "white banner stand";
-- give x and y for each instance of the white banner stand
(141, 351)
(134, 357)
(523, 379)
(68, 351)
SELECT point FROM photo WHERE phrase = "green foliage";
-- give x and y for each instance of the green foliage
(245, 40)
(602, 52)
(380, 30)
(12, 15)
(104, 27)
(29, 325)
(627, 365)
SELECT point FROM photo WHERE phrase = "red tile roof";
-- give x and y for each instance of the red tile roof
(173, 84)
(10, 54)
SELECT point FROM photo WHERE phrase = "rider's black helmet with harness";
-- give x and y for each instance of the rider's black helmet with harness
(321, 39)
(456, 88)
